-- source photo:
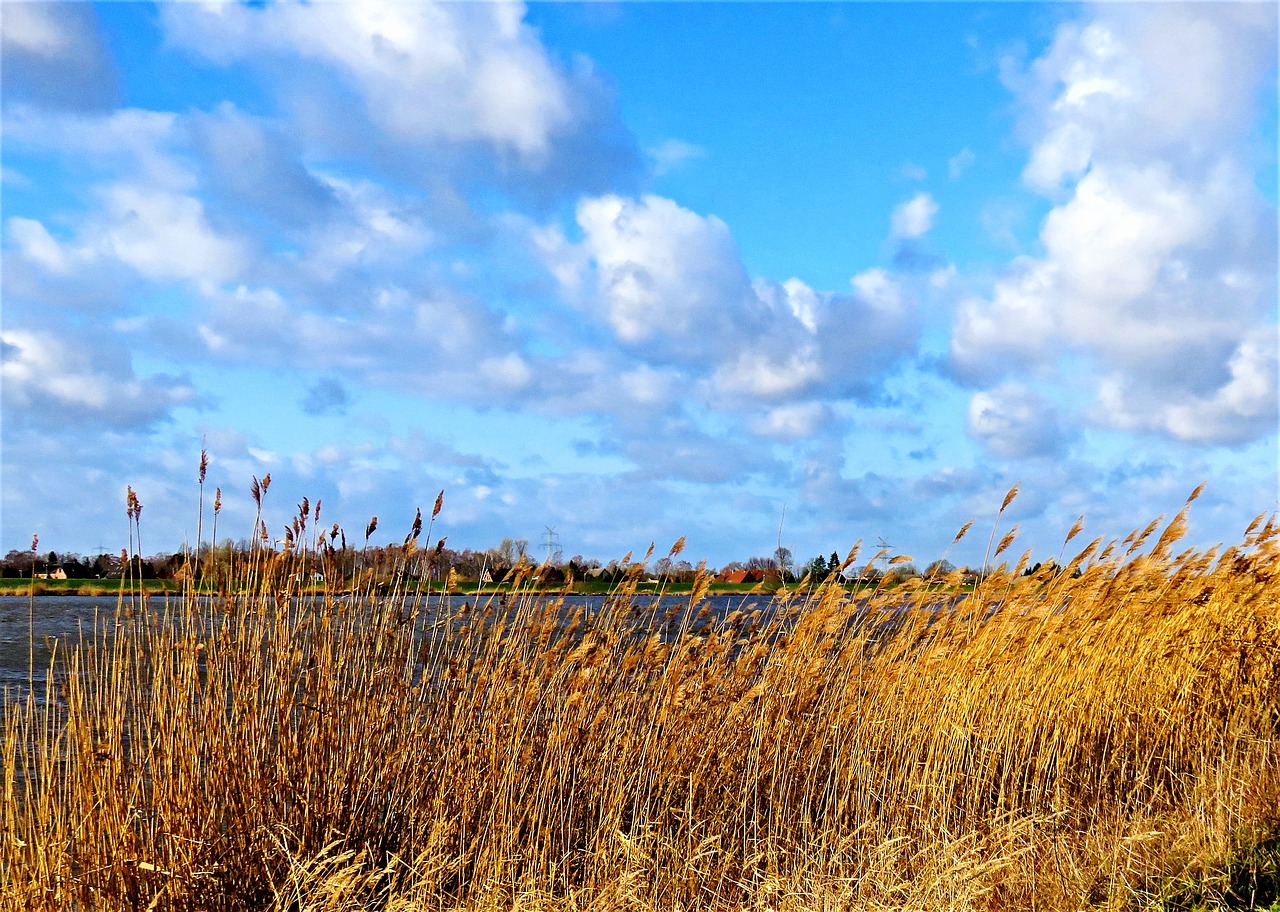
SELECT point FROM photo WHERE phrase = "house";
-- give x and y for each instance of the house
(737, 577)
(55, 574)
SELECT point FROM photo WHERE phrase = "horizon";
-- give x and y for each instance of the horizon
(750, 274)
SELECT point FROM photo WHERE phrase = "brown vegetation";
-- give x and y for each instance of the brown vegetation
(1086, 736)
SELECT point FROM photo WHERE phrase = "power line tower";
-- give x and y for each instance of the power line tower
(551, 542)
(885, 548)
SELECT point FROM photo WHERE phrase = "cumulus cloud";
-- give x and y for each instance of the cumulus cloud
(1171, 82)
(914, 218)
(424, 71)
(1158, 272)
(663, 272)
(1013, 422)
(795, 421)
(57, 380)
(166, 236)
(671, 287)
(51, 55)
(1241, 408)
(251, 162)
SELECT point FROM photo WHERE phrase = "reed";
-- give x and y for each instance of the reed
(1102, 735)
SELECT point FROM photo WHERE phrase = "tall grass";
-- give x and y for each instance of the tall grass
(1082, 737)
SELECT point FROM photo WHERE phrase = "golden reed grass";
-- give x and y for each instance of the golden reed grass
(1076, 738)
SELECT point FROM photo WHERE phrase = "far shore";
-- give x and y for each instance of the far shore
(23, 588)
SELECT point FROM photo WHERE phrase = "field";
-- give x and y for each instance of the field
(1101, 735)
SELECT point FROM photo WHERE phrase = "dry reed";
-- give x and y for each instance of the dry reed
(1080, 737)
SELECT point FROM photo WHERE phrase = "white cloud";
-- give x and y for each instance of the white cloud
(1013, 422)
(1120, 228)
(167, 236)
(765, 375)
(915, 217)
(796, 421)
(42, 249)
(1242, 408)
(367, 225)
(1011, 331)
(52, 56)
(509, 373)
(1159, 262)
(425, 71)
(671, 287)
(33, 27)
(670, 154)
(959, 163)
(53, 379)
(161, 235)
(662, 271)
(132, 141)
(1171, 81)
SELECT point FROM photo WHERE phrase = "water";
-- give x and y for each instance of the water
(31, 631)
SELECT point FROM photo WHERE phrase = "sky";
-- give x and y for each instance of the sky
(746, 273)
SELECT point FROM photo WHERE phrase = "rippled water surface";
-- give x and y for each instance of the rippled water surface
(32, 629)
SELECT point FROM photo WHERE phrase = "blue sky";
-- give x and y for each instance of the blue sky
(637, 271)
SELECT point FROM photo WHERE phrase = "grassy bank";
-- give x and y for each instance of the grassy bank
(112, 587)
(26, 587)
(1106, 739)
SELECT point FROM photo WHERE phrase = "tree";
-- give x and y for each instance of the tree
(901, 572)
(512, 550)
(785, 561)
(939, 569)
(816, 569)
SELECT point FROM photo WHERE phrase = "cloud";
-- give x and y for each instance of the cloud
(670, 286)
(1172, 82)
(41, 249)
(959, 163)
(1158, 271)
(166, 236)
(326, 397)
(52, 56)
(663, 272)
(424, 71)
(671, 154)
(796, 421)
(56, 380)
(253, 163)
(915, 217)
(1013, 422)
(130, 141)
(1241, 408)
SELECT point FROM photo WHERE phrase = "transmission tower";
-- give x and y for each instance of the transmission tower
(885, 548)
(551, 542)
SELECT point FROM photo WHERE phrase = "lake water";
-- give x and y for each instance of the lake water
(30, 630)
